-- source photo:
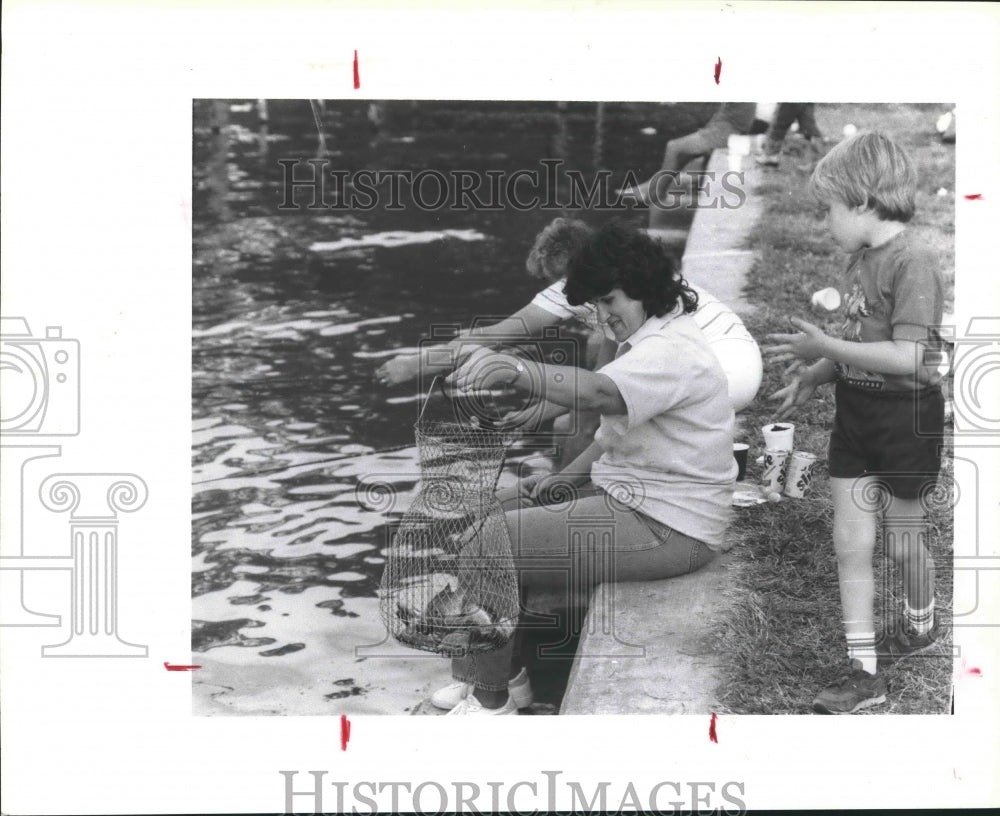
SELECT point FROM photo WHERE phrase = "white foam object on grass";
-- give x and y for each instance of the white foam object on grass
(828, 299)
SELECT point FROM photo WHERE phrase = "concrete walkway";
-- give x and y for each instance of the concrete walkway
(649, 647)
(716, 256)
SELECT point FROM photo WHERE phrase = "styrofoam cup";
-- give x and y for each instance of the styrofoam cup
(779, 439)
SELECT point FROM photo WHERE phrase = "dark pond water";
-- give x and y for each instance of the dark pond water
(287, 419)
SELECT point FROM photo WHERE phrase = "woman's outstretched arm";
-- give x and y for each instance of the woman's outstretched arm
(526, 322)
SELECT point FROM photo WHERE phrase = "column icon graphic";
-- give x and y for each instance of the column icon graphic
(93, 501)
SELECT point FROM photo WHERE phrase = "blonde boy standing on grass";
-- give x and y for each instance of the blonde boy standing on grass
(884, 451)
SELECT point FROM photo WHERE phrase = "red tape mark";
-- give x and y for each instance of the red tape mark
(171, 667)
(968, 671)
(974, 197)
(711, 729)
(357, 74)
(718, 70)
(345, 732)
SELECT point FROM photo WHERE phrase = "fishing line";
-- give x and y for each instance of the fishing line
(319, 127)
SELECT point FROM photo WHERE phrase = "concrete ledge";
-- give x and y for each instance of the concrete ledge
(649, 647)
(722, 274)
(716, 256)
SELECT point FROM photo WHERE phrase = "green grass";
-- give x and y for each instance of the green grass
(782, 631)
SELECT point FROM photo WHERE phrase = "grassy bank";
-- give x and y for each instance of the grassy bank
(784, 633)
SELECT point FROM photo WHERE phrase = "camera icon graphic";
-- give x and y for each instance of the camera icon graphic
(975, 370)
(39, 381)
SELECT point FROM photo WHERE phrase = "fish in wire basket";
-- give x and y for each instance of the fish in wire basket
(437, 616)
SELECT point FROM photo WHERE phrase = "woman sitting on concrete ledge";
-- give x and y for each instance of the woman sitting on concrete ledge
(659, 477)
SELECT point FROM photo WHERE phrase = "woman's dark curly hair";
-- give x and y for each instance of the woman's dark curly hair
(620, 257)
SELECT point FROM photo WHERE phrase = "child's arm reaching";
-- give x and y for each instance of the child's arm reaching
(883, 357)
(803, 385)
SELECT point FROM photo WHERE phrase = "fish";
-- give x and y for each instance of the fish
(438, 616)
(446, 604)
(415, 594)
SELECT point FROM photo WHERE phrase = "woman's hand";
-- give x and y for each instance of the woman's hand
(541, 489)
(484, 369)
(399, 369)
(553, 489)
(796, 394)
(807, 344)
(521, 489)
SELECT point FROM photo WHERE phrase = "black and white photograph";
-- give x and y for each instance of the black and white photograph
(369, 276)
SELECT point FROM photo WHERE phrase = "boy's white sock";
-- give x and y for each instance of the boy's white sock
(920, 621)
(861, 646)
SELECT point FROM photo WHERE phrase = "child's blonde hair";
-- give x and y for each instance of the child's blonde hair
(554, 246)
(868, 170)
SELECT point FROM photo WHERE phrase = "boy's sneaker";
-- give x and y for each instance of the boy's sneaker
(901, 641)
(519, 689)
(765, 159)
(856, 691)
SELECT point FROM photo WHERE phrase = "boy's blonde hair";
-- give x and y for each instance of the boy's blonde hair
(868, 170)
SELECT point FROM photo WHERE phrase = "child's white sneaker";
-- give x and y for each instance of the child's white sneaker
(519, 689)
(451, 695)
(470, 706)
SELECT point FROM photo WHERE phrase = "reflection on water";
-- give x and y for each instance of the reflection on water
(293, 311)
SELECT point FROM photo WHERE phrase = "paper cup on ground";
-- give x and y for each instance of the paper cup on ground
(798, 477)
(773, 478)
(740, 451)
(779, 436)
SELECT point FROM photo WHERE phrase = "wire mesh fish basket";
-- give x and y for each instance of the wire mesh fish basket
(449, 584)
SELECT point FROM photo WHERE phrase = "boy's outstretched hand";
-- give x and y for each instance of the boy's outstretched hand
(796, 394)
(808, 344)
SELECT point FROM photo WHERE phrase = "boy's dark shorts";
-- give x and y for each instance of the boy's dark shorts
(875, 434)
